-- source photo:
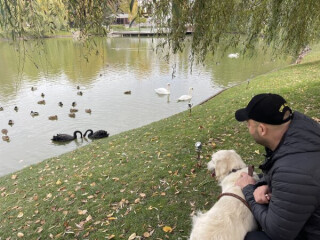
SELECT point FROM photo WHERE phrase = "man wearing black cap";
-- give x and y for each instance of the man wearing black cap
(286, 201)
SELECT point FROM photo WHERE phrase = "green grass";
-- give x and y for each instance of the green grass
(142, 180)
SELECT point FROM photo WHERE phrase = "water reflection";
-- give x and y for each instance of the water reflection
(56, 67)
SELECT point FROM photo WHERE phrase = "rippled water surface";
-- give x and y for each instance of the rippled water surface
(55, 67)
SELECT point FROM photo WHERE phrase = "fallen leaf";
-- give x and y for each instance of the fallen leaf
(257, 151)
(20, 215)
(167, 229)
(20, 234)
(58, 182)
(13, 177)
(111, 236)
(132, 236)
(146, 234)
(82, 212)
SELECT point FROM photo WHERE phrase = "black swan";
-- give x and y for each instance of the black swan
(97, 134)
(66, 137)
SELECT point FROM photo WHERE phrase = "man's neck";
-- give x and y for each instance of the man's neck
(276, 134)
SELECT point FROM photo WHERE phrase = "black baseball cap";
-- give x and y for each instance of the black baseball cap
(266, 108)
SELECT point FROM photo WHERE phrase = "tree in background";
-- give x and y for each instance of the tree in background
(35, 18)
(287, 26)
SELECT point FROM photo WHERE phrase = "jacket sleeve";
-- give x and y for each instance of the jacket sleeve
(292, 202)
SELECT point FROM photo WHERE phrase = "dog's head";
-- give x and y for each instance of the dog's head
(223, 162)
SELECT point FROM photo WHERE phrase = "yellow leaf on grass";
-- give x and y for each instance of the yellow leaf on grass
(20, 234)
(13, 177)
(257, 151)
(82, 212)
(111, 236)
(20, 215)
(58, 182)
(132, 236)
(167, 229)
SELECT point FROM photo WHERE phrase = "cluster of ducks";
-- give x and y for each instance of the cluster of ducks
(72, 114)
(166, 91)
(5, 136)
(92, 135)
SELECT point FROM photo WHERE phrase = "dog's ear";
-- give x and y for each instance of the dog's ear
(221, 168)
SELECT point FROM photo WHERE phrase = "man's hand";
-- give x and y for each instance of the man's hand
(262, 194)
(245, 180)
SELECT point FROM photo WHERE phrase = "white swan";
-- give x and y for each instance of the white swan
(233, 55)
(163, 91)
(186, 97)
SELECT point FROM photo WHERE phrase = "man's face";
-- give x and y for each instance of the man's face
(253, 130)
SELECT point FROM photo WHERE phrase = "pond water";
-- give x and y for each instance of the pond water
(56, 67)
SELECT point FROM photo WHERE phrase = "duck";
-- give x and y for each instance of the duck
(60, 104)
(1, 108)
(42, 95)
(33, 114)
(78, 87)
(4, 131)
(72, 110)
(96, 135)
(88, 110)
(80, 93)
(127, 92)
(163, 91)
(16, 108)
(74, 104)
(72, 115)
(42, 102)
(54, 117)
(66, 137)
(11, 122)
(33, 88)
(6, 138)
(186, 97)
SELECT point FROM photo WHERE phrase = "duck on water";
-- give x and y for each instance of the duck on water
(96, 135)
(66, 137)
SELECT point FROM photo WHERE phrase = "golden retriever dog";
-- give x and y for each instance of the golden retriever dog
(229, 218)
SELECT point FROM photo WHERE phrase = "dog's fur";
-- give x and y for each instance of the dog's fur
(229, 218)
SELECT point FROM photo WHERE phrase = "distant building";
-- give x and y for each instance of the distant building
(122, 19)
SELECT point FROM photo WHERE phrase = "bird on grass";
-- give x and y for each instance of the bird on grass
(66, 137)
(42, 95)
(80, 93)
(163, 91)
(16, 108)
(11, 122)
(96, 135)
(60, 104)
(4, 131)
(74, 104)
(42, 102)
(127, 92)
(72, 115)
(186, 97)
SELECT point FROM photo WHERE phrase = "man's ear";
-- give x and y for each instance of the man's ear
(262, 129)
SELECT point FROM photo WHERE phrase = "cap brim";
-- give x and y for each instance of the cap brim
(241, 115)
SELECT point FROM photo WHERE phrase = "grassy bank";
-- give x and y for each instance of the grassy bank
(145, 182)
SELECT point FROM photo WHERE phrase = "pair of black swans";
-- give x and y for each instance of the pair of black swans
(92, 135)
